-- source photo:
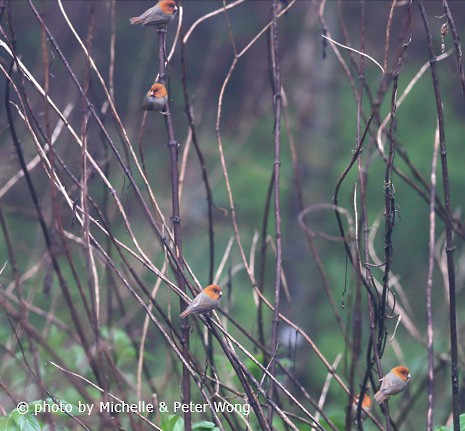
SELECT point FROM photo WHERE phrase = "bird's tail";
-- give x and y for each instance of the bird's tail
(185, 313)
(135, 20)
(380, 397)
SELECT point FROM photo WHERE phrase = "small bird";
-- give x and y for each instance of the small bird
(366, 407)
(207, 300)
(159, 15)
(392, 383)
(155, 99)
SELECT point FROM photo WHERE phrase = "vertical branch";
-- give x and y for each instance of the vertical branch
(388, 35)
(457, 43)
(110, 284)
(276, 86)
(111, 69)
(429, 287)
(12, 259)
(173, 146)
(357, 311)
(92, 278)
(390, 215)
(91, 271)
(2, 8)
(262, 262)
(449, 240)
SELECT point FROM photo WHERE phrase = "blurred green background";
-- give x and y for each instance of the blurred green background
(322, 118)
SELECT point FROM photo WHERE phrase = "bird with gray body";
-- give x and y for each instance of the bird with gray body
(159, 15)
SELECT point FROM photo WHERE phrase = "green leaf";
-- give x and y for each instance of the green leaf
(172, 423)
(204, 425)
(7, 423)
(179, 426)
(27, 422)
(451, 427)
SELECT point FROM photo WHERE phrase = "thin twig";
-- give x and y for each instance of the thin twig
(354, 50)
(277, 101)
(449, 238)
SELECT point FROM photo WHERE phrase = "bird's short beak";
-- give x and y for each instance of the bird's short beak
(408, 376)
(221, 294)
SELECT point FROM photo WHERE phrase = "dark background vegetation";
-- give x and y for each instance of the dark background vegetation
(322, 113)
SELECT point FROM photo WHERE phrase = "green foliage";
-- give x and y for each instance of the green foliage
(24, 417)
(204, 426)
(16, 421)
(451, 427)
(172, 423)
(176, 423)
